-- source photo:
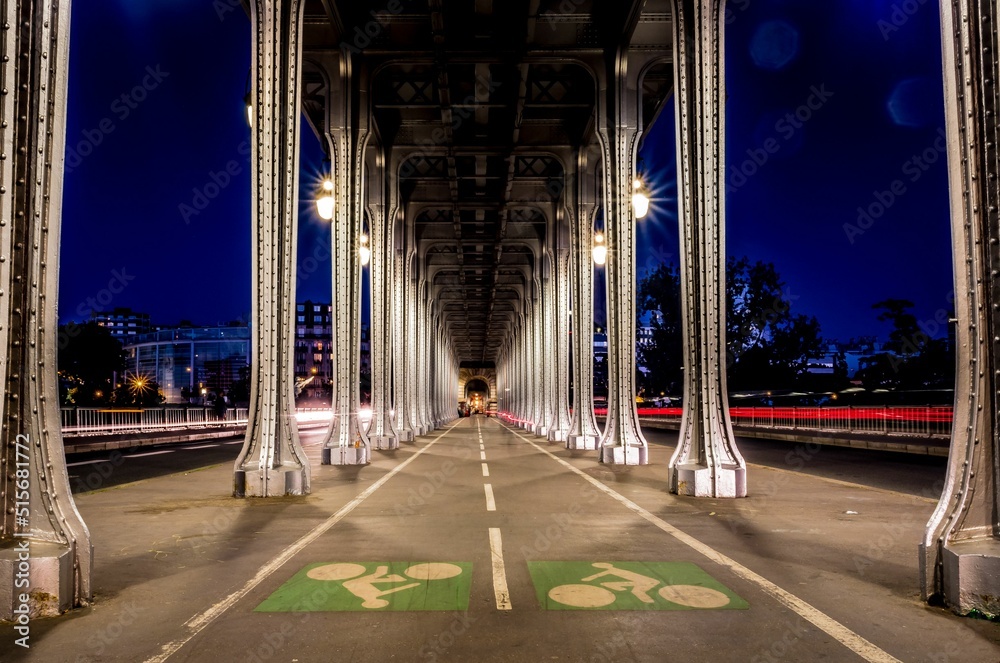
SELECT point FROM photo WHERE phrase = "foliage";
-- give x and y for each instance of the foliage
(767, 346)
(911, 359)
(89, 358)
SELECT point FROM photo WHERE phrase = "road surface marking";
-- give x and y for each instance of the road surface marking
(197, 624)
(491, 504)
(499, 573)
(203, 446)
(482, 455)
(824, 622)
(91, 462)
(486, 470)
(151, 453)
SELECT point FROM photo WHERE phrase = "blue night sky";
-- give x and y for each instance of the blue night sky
(795, 184)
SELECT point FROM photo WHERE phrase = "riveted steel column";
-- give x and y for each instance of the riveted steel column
(382, 433)
(622, 442)
(584, 433)
(561, 422)
(271, 461)
(547, 363)
(412, 342)
(346, 441)
(39, 519)
(535, 368)
(423, 343)
(706, 462)
(618, 132)
(960, 551)
(401, 351)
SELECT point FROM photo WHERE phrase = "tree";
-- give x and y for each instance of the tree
(89, 357)
(659, 294)
(767, 347)
(137, 391)
(912, 359)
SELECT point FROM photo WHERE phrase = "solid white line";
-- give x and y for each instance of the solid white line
(197, 623)
(491, 504)
(203, 446)
(499, 573)
(151, 453)
(88, 462)
(234, 442)
(824, 622)
(482, 455)
(486, 470)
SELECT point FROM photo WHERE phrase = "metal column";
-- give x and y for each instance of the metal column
(706, 462)
(39, 518)
(271, 461)
(618, 129)
(346, 441)
(960, 552)
(382, 433)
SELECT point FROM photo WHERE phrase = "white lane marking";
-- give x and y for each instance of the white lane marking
(486, 470)
(88, 462)
(203, 446)
(151, 453)
(234, 442)
(482, 455)
(499, 573)
(491, 504)
(198, 623)
(821, 620)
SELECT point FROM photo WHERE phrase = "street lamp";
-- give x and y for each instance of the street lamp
(325, 201)
(600, 249)
(364, 252)
(248, 101)
(640, 198)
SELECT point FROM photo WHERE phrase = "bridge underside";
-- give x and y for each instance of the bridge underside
(474, 149)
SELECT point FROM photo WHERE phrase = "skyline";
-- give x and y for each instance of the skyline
(795, 186)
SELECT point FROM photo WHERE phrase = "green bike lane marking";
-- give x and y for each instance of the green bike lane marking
(374, 586)
(629, 586)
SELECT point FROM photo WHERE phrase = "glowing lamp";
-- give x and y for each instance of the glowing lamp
(640, 199)
(600, 250)
(325, 201)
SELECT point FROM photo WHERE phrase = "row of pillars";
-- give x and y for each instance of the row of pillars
(960, 554)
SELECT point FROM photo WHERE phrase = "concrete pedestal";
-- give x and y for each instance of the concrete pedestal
(972, 576)
(697, 481)
(48, 568)
(346, 455)
(625, 455)
(281, 481)
(384, 442)
(582, 442)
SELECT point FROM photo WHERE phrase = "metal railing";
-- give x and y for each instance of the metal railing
(925, 421)
(93, 420)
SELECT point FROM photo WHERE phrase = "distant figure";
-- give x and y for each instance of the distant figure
(220, 406)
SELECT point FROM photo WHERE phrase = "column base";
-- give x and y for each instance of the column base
(582, 442)
(280, 482)
(696, 481)
(405, 435)
(384, 442)
(541, 430)
(625, 455)
(347, 455)
(971, 576)
(51, 585)
(557, 435)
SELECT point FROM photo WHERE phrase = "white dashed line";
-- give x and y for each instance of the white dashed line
(486, 470)
(491, 504)
(499, 573)
(482, 455)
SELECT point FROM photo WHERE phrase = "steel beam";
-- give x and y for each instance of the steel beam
(706, 462)
(271, 461)
(561, 422)
(381, 433)
(960, 551)
(618, 128)
(346, 441)
(581, 207)
(43, 539)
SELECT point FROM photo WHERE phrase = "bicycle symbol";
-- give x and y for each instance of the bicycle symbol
(603, 594)
(364, 586)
